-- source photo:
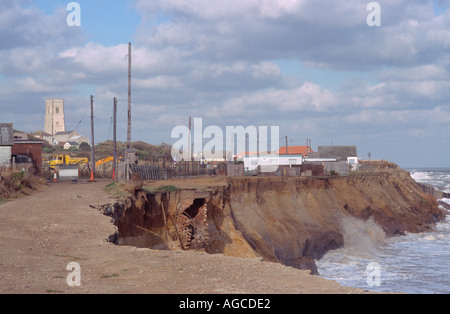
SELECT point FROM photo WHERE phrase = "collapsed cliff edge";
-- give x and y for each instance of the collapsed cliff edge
(291, 220)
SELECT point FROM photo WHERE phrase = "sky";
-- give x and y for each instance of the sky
(315, 68)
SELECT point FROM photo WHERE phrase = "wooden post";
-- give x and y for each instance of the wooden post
(129, 98)
(115, 140)
(92, 141)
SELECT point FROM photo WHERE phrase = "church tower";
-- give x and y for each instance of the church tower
(54, 116)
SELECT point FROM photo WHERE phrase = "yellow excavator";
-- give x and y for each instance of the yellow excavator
(60, 160)
(107, 159)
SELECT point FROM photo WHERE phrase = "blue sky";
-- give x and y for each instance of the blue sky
(313, 67)
(106, 22)
(440, 7)
(330, 79)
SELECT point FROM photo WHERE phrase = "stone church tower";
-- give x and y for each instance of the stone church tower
(54, 116)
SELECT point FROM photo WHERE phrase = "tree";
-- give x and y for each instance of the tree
(85, 146)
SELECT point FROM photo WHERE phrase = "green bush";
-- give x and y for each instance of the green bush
(166, 188)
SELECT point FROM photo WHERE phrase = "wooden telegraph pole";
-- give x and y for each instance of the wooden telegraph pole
(92, 141)
(114, 174)
(127, 155)
(129, 97)
(286, 145)
(189, 147)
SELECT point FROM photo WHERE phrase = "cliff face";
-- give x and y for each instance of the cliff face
(295, 220)
(287, 220)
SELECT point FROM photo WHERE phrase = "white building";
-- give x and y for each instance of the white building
(69, 145)
(353, 163)
(6, 143)
(271, 161)
(70, 136)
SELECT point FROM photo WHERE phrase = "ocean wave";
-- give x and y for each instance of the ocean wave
(413, 263)
(421, 176)
(361, 237)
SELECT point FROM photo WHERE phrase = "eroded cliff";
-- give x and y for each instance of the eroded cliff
(287, 220)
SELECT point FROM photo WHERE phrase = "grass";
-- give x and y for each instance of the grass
(166, 188)
(13, 183)
(160, 189)
(116, 190)
(126, 189)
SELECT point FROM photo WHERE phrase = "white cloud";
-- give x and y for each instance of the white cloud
(216, 59)
(307, 98)
(416, 73)
(333, 34)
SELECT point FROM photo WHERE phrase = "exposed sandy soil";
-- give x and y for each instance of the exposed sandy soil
(41, 233)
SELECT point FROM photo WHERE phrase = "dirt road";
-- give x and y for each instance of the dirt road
(42, 233)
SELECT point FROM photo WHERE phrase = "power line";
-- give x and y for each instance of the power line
(79, 123)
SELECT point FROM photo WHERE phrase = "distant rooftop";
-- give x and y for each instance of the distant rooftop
(64, 133)
(339, 152)
(295, 150)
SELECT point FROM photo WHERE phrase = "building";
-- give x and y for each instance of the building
(20, 136)
(54, 116)
(69, 145)
(69, 136)
(341, 153)
(6, 143)
(43, 136)
(30, 148)
(55, 127)
(345, 159)
(271, 162)
(295, 150)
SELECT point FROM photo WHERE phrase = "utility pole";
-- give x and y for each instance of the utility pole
(189, 145)
(129, 97)
(286, 145)
(92, 140)
(247, 146)
(53, 123)
(189, 139)
(115, 140)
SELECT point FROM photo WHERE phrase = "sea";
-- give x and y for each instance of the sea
(411, 264)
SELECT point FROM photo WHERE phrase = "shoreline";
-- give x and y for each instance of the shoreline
(41, 235)
(432, 242)
(293, 221)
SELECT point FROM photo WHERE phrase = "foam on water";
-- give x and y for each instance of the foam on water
(439, 178)
(414, 263)
(361, 237)
(420, 176)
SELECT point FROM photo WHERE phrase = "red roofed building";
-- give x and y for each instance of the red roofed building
(292, 150)
(295, 150)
